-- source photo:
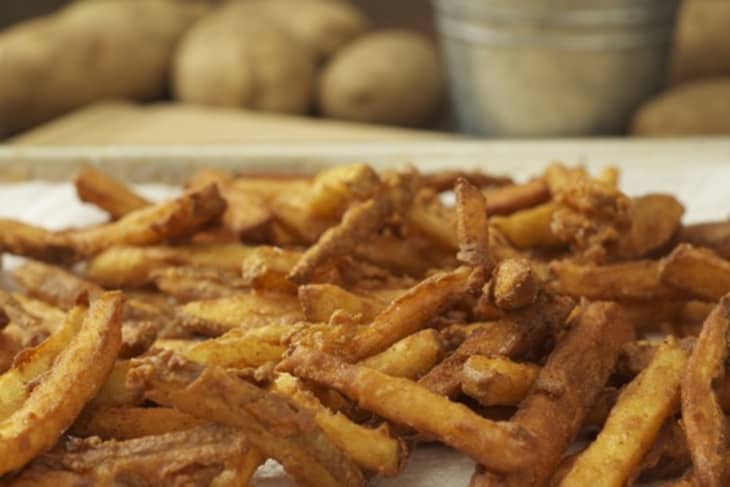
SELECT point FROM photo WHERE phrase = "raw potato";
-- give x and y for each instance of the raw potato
(87, 52)
(702, 45)
(391, 77)
(240, 57)
(701, 107)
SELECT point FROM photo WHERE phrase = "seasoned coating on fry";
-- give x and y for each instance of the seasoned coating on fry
(98, 188)
(511, 198)
(125, 423)
(471, 225)
(514, 284)
(697, 271)
(270, 422)
(497, 381)
(702, 416)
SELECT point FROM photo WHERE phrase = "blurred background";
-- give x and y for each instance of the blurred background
(196, 71)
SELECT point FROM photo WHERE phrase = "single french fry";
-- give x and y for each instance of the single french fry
(637, 280)
(266, 267)
(53, 284)
(59, 396)
(702, 415)
(655, 219)
(373, 449)
(633, 424)
(187, 284)
(124, 423)
(320, 301)
(35, 242)
(471, 225)
(50, 317)
(497, 381)
(114, 391)
(697, 271)
(412, 256)
(711, 235)
(232, 350)
(496, 445)
(515, 197)
(333, 189)
(565, 390)
(410, 357)
(270, 422)
(529, 228)
(514, 284)
(433, 219)
(100, 189)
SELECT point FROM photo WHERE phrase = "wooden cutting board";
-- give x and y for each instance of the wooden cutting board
(123, 123)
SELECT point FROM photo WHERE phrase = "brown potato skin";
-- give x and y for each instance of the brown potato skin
(389, 77)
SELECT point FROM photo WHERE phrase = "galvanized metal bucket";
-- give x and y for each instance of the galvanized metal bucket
(544, 68)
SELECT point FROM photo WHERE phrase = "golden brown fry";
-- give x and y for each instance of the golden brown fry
(410, 357)
(697, 271)
(500, 446)
(373, 449)
(234, 350)
(558, 177)
(637, 280)
(197, 456)
(529, 228)
(126, 266)
(269, 422)
(195, 283)
(335, 188)
(57, 399)
(702, 416)
(514, 284)
(320, 301)
(114, 391)
(667, 458)
(411, 256)
(53, 285)
(712, 235)
(125, 423)
(153, 224)
(633, 424)
(213, 317)
(49, 317)
(30, 241)
(565, 390)
(112, 196)
(471, 225)
(431, 218)
(497, 381)
(444, 180)
(266, 267)
(516, 197)
(655, 219)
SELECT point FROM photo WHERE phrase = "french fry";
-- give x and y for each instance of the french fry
(497, 445)
(114, 391)
(127, 266)
(697, 271)
(410, 357)
(702, 416)
(266, 267)
(633, 424)
(565, 390)
(511, 198)
(471, 225)
(529, 228)
(125, 423)
(213, 317)
(430, 217)
(53, 284)
(514, 284)
(50, 317)
(30, 241)
(373, 449)
(333, 189)
(320, 301)
(444, 180)
(196, 283)
(667, 458)
(712, 235)
(637, 280)
(497, 381)
(412, 256)
(558, 177)
(270, 423)
(57, 399)
(152, 224)
(232, 350)
(655, 219)
(105, 192)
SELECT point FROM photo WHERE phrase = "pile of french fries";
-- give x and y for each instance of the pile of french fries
(557, 331)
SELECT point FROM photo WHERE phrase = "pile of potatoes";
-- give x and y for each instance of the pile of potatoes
(286, 56)
(698, 99)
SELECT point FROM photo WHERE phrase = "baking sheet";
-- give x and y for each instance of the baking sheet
(698, 172)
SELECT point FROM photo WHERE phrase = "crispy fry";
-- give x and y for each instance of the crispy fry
(30, 241)
(153, 224)
(195, 283)
(76, 376)
(633, 424)
(112, 196)
(410, 357)
(514, 284)
(373, 449)
(335, 188)
(511, 198)
(655, 219)
(703, 418)
(565, 390)
(269, 422)
(320, 301)
(712, 235)
(125, 423)
(234, 350)
(126, 266)
(433, 219)
(114, 391)
(49, 317)
(412, 256)
(213, 317)
(471, 225)
(497, 381)
(667, 458)
(497, 445)
(697, 271)
(266, 267)
(529, 228)
(53, 284)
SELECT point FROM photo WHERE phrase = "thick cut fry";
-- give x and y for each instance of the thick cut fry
(112, 196)
(633, 424)
(497, 381)
(334, 188)
(515, 197)
(57, 399)
(410, 357)
(125, 423)
(471, 225)
(153, 224)
(712, 235)
(655, 219)
(270, 423)
(320, 301)
(529, 228)
(266, 267)
(126, 266)
(703, 418)
(373, 449)
(214, 317)
(23, 239)
(697, 271)
(499, 446)
(565, 390)
(639, 280)
(196, 283)
(514, 284)
(31, 363)
(197, 456)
